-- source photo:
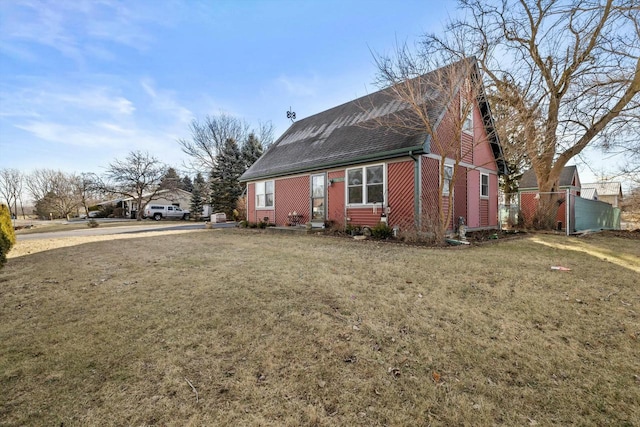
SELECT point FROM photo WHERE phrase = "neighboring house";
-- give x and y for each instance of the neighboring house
(338, 166)
(587, 208)
(176, 197)
(528, 192)
(610, 192)
(569, 179)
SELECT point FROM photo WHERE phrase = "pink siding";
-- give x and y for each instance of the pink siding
(460, 196)
(484, 212)
(493, 200)
(473, 199)
(482, 154)
(430, 188)
(335, 198)
(269, 214)
(292, 194)
(364, 216)
(401, 193)
(251, 202)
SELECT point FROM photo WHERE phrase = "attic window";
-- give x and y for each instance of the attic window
(466, 108)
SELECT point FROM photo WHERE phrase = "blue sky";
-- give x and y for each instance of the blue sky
(83, 82)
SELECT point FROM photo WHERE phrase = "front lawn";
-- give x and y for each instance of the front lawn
(230, 327)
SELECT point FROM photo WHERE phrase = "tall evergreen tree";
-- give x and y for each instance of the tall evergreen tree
(225, 188)
(186, 184)
(197, 196)
(251, 150)
(170, 180)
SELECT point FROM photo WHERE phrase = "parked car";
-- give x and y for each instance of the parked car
(158, 212)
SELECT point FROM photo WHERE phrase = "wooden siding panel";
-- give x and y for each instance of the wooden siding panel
(484, 212)
(251, 202)
(336, 198)
(364, 216)
(292, 194)
(401, 198)
(430, 183)
(261, 214)
(460, 196)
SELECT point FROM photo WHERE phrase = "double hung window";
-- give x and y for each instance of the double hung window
(365, 185)
(264, 194)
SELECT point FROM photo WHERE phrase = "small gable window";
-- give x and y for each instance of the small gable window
(484, 185)
(365, 185)
(264, 194)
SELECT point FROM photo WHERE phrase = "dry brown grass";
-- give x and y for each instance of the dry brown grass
(279, 330)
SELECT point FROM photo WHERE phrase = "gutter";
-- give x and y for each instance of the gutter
(369, 157)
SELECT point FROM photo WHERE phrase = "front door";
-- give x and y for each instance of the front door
(318, 199)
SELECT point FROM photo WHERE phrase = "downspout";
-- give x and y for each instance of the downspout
(416, 189)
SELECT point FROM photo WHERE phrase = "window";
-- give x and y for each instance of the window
(467, 124)
(365, 185)
(448, 176)
(264, 194)
(484, 185)
(466, 107)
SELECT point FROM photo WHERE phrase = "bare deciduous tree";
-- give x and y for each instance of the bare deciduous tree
(54, 192)
(569, 70)
(138, 176)
(11, 181)
(423, 87)
(210, 135)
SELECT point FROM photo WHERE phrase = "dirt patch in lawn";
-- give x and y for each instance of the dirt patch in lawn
(237, 328)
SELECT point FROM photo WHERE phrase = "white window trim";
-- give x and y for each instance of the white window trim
(445, 189)
(364, 186)
(468, 131)
(488, 186)
(255, 189)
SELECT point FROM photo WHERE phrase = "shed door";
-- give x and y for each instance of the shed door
(318, 198)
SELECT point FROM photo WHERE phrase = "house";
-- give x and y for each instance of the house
(610, 192)
(577, 206)
(129, 206)
(569, 181)
(339, 166)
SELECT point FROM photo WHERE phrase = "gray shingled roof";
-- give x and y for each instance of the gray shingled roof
(605, 188)
(346, 134)
(529, 180)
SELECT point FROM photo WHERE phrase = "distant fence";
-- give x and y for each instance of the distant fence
(596, 215)
(560, 211)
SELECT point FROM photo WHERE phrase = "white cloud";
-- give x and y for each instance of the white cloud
(299, 86)
(165, 102)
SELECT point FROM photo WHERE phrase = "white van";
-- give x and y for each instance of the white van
(158, 212)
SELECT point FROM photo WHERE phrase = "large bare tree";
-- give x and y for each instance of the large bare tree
(423, 86)
(138, 177)
(570, 70)
(210, 135)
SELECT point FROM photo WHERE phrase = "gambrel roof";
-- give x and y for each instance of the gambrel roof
(351, 133)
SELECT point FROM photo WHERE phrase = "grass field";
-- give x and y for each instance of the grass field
(229, 327)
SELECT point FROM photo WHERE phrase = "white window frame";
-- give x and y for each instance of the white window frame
(445, 182)
(264, 193)
(364, 185)
(467, 122)
(482, 175)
